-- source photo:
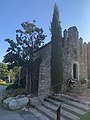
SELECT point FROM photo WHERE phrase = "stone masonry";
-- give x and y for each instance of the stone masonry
(76, 60)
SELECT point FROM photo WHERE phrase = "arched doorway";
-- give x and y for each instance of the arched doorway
(75, 72)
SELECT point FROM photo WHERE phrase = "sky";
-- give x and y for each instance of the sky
(14, 12)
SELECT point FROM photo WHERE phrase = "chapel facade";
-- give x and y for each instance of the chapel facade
(76, 61)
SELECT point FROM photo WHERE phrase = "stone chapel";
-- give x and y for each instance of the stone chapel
(76, 61)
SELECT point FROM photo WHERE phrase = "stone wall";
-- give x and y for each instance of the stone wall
(74, 54)
(44, 84)
(85, 72)
(88, 60)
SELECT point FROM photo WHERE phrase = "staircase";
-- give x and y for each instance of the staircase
(72, 108)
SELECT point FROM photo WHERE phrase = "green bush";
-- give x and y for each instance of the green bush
(15, 92)
(12, 86)
(4, 83)
(15, 84)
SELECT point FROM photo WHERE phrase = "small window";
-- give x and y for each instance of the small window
(74, 71)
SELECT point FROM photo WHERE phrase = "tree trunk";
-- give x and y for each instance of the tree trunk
(29, 75)
(28, 80)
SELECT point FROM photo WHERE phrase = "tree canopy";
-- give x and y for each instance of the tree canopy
(20, 52)
(8, 75)
(27, 41)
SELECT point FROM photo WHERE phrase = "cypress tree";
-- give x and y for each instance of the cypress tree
(56, 52)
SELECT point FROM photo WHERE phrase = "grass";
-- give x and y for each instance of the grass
(3, 83)
(86, 116)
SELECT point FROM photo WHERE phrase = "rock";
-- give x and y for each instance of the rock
(35, 101)
(25, 109)
(7, 101)
(29, 95)
(22, 96)
(18, 103)
(18, 96)
(41, 98)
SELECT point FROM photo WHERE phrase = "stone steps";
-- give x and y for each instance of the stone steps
(38, 114)
(74, 98)
(79, 89)
(72, 102)
(44, 114)
(64, 112)
(65, 107)
(51, 115)
(71, 109)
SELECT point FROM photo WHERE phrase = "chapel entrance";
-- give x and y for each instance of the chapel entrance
(35, 76)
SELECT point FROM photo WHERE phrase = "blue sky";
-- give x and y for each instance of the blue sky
(14, 12)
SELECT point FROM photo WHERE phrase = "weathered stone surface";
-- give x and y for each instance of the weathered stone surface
(76, 62)
(44, 83)
(35, 101)
(7, 101)
(25, 109)
(74, 52)
(15, 102)
(18, 103)
(88, 60)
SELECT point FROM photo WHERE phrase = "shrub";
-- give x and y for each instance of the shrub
(15, 92)
(15, 84)
(12, 86)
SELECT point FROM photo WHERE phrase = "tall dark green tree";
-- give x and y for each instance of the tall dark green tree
(56, 52)
(21, 52)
